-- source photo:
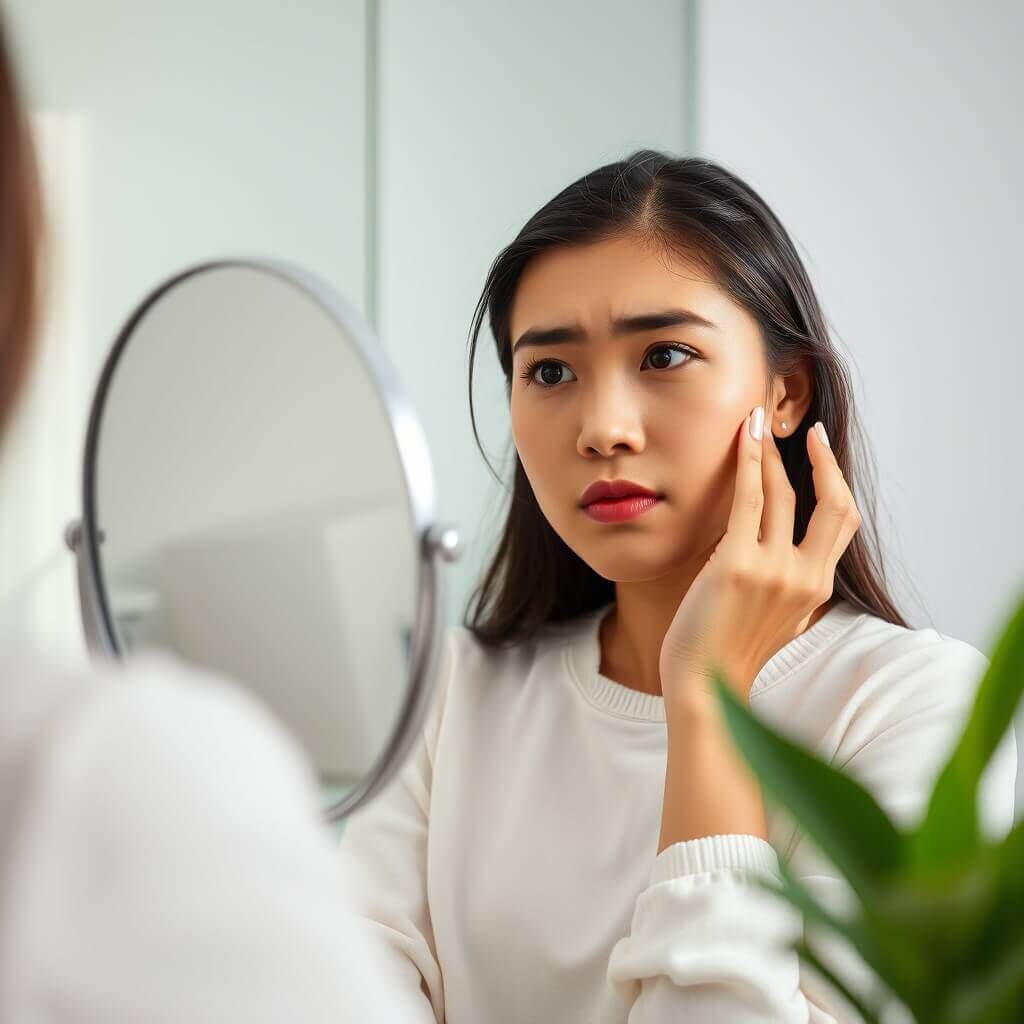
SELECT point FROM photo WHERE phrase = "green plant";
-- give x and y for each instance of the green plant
(939, 913)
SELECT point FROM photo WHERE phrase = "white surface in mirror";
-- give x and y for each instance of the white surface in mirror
(254, 510)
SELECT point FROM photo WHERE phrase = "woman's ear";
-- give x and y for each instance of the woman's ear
(790, 400)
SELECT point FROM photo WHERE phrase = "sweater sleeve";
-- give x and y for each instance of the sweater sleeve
(384, 845)
(705, 944)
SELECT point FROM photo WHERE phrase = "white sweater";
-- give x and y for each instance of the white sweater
(161, 857)
(512, 864)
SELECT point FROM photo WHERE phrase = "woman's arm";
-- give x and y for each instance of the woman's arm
(709, 788)
(707, 945)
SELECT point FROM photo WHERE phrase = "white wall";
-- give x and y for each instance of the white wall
(201, 130)
(222, 128)
(888, 138)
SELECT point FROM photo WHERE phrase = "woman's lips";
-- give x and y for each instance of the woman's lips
(619, 510)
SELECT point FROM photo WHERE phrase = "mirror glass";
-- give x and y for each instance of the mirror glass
(251, 510)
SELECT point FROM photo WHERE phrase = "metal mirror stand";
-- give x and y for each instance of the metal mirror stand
(438, 543)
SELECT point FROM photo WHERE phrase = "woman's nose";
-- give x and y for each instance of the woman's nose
(610, 424)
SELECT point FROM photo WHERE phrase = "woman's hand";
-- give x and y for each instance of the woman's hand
(758, 590)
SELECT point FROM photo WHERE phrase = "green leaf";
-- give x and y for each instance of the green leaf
(898, 963)
(949, 831)
(839, 814)
(945, 913)
(995, 994)
(1005, 921)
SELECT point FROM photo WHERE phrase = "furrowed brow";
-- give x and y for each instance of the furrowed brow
(573, 333)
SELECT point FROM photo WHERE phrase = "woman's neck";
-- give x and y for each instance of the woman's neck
(631, 634)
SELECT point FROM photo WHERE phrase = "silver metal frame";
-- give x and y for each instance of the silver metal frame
(437, 543)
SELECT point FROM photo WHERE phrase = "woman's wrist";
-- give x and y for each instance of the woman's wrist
(691, 697)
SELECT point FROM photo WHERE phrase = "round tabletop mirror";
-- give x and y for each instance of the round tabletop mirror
(259, 500)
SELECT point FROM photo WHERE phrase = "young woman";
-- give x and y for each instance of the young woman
(574, 838)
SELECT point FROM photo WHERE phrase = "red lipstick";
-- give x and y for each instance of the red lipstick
(616, 501)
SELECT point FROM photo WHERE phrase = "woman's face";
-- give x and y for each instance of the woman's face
(621, 405)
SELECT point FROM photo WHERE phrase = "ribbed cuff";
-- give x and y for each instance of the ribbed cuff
(714, 853)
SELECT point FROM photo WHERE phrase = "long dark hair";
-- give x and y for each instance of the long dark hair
(692, 205)
(20, 227)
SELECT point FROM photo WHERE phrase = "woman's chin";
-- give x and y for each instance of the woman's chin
(631, 563)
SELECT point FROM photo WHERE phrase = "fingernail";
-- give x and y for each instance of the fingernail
(820, 428)
(757, 423)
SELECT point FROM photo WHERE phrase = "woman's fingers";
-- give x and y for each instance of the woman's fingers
(764, 503)
(835, 518)
(779, 498)
(748, 496)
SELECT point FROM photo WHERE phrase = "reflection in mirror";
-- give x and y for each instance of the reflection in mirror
(254, 513)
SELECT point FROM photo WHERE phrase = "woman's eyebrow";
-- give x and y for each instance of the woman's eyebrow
(624, 325)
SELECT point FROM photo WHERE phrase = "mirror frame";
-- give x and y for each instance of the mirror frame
(436, 543)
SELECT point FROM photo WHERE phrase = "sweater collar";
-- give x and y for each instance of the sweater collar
(582, 658)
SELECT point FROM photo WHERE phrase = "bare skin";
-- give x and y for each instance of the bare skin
(667, 423)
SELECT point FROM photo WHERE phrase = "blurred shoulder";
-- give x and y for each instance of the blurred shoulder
(153, 721)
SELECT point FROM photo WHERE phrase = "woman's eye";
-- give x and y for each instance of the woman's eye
(545, 365)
